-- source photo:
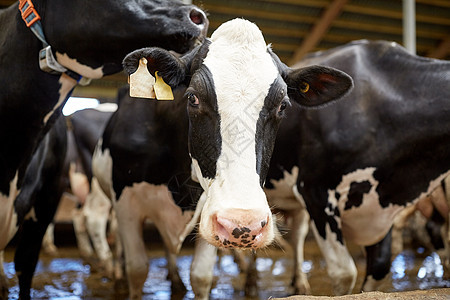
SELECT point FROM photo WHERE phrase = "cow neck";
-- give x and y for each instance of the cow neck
(47, 61)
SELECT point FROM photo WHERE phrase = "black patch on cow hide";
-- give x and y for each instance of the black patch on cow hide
(356, 193)
(337, 195)
(205, 140)
(267, 127)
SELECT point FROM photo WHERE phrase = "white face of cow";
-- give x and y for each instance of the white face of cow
(242, 72)
(237, 92)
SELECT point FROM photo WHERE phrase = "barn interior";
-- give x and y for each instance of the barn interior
(294, 28)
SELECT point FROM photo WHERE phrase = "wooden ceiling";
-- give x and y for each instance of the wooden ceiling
(296, 27)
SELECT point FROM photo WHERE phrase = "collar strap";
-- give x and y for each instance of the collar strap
(32, 19)
(47, 62)
(28, 12)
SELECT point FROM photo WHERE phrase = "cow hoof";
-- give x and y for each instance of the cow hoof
(178, 288)
(251, 291)
(121, 286)
(301, 286)
(302, 290)
(4, 291)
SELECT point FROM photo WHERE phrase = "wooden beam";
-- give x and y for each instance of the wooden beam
(382, 28)
(247, 12)
(319, 29)
(310, 3)
(444, 3)
(442, 50)
(394, 14)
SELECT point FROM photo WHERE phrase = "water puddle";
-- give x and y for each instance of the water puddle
(68, 277)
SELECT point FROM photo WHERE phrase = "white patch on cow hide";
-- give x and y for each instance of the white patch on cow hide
(372, 284)
(368, 223)
(154, 202)
(282, 195)
(67, 84)
(243, 72)
(432, 185)
(73, 65)
(102, 164)
(107, 107)
(196, 175)
(31, 215)
(8, 216)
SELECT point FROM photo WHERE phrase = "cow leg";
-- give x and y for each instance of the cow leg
(97, 209)
(27, 252)
(378, 264)
(3, 280)
(340, 265)
(299, 233)
(251, 281)
(81, 233)
(130, 218)
(48, 243)
(398, 228)
(239, 259)
(202, 268)
(173, 274)
(119, 264)
(446, 230)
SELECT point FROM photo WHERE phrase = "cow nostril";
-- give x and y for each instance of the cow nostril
(197, 17)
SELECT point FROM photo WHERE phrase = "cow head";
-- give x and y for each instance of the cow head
(237, 93)
(92, 37)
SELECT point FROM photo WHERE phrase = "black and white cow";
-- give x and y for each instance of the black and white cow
(361, 161)
(237, 91)
(86, 39)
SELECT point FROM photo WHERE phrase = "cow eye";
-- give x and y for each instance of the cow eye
(304, 87)
(285, 103)
(193, 100)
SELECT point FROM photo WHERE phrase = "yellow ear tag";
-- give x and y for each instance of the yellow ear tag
(142, 82)
(162, 89)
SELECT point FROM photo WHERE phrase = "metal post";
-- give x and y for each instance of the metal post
(409, 25)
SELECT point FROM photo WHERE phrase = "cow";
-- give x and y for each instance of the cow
(43, 57)
(84, 129)
(364, 159)
(220, 132)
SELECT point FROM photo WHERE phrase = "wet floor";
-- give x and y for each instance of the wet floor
(69, 277)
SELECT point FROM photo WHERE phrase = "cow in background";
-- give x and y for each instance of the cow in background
(237, 91)
(426, 224)
(366, 158)
(86, 128)
(72, 51)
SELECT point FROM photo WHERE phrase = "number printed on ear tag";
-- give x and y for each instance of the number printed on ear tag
(162, 90)
(142, 82)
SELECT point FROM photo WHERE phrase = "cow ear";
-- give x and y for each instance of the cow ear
(169, 67)
(316, 86)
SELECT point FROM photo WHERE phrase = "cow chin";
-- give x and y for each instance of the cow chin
(236, 227)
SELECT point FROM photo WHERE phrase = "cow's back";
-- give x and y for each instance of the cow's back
(398, 112)
(382, 146)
